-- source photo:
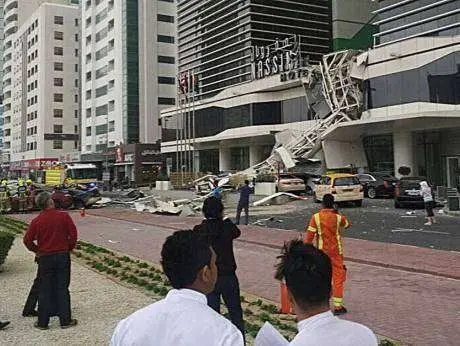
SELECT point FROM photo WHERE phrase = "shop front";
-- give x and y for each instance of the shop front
(137, 164)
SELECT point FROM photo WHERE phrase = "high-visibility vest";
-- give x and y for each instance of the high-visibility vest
(326, 226)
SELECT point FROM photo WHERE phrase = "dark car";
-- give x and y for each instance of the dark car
(407, 192)
(378, 184)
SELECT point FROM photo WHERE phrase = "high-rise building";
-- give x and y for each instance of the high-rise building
(157, 64)
(42, 79)
(128, 58)
(401, 20)
(2, 24)
(411, 112)
(216, 37)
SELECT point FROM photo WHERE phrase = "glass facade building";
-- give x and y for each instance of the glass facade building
(403, 19)
(215, 37)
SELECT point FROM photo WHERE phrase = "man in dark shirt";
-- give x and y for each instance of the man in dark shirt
(52, 235)
(243, 202)
(219, 233)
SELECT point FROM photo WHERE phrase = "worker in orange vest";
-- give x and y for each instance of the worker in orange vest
(326, 226)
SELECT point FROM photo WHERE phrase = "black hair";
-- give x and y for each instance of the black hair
(183, 255)
(213, 208)
(328, 201)
(246, 182)
(307, 272)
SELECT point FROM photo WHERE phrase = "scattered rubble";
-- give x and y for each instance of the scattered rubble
(278, 198)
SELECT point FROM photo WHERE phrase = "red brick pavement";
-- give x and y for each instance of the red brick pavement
(416, 308)
(421, 260)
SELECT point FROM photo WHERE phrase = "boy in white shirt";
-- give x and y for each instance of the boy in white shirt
(307, 272)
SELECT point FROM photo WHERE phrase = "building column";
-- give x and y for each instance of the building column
(256, 155)
(196, 161)
(224, 159)
(403, 149)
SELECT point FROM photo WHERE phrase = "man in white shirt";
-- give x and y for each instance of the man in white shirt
(307, 272)
(183, 318)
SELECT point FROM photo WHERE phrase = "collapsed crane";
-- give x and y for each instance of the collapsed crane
(333, 91)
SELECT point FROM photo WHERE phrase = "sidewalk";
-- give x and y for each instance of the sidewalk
(402, 302)
(97, 302)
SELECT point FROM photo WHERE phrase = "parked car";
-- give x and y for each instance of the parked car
(407, 192)
(290, 183)
(378, 184)
(344, 187)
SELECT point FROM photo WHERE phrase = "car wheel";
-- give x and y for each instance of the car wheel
(359, 203)
(397, 205)
(371, 193)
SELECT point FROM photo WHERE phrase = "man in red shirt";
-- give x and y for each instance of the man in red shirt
(52, 235)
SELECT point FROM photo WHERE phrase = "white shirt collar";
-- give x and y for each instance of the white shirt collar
(186, 293)
(311, 322)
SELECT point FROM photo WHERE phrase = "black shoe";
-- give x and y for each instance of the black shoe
(33, 313)
(4, 324)
(72, 323)
(340, 311)
(36, 325)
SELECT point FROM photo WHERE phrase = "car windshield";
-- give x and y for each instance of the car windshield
(346, 181)
(83, 173)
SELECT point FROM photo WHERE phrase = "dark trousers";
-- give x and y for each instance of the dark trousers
(32, 298)
(229, 288)
(54, 273)
(238, 212)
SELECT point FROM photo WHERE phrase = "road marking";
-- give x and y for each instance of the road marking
(408, 230)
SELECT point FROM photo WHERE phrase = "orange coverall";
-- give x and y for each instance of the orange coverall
(326, 227)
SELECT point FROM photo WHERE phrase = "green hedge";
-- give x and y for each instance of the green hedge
(6, 241)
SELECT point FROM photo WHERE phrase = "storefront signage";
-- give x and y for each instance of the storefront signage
(282, 57)
(149, 152)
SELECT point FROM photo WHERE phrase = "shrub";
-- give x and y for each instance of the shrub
(6, 241)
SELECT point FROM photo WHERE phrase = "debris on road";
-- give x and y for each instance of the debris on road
(114, 241)
(278, 198)
(263, 222)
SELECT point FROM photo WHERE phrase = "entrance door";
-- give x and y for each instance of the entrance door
(453, 172)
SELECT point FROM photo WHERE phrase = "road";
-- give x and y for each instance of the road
(377, 220)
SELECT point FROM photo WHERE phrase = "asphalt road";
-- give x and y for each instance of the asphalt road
(378, 220)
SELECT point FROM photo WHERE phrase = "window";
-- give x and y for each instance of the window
(76, 67)
(101, 91)
(166, 59)
(58, 98)
(111, 106)
(57, 144)
(101, 129)
(75, 114)
(166, 80)
(101, 35)
(165, 18)
(88, 94)
(76, 21)
(58, 51)
(76, 52)
(102, 110)
(166, 101)
(88, 22)
(59, 35)
(88, 131)
(75, 129)
(59, 20)
(75, 98)
(88, 76)
(88, 112)
(57, 129)
(88, 58)
(101, 53)
(165, 39)
(76, 37)
(101, 15)
(58, 82)
(58, 66)
(76, 83)
(75, 144)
